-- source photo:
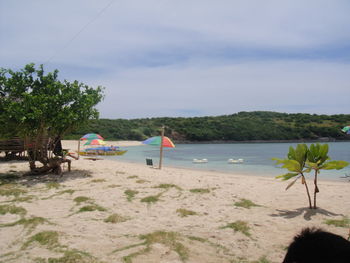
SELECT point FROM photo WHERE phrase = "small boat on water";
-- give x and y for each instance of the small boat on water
(200, 160)
(103, 150)
(235, 160)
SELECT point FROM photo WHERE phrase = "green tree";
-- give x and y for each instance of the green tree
(35, 105)
(303, 160)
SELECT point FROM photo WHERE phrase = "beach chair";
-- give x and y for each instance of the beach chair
(149, 162)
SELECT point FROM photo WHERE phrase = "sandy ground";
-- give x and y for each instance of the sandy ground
(149, 225)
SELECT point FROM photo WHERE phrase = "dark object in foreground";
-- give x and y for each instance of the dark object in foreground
(316, 246)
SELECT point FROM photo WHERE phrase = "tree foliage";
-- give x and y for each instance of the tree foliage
(33, 102)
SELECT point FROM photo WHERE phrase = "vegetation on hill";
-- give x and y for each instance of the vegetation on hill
(242, 126)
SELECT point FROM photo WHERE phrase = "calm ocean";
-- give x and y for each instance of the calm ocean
(257, 157)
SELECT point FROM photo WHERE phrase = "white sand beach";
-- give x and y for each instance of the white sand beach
(169, 215)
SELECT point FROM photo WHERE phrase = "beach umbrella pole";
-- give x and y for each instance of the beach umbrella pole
(161, 148)
(78, 149)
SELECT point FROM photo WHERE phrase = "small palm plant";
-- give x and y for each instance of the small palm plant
(302, 160)
(295, 163)
(317, 160)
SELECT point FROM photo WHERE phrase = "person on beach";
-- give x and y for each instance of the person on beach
(317, 246)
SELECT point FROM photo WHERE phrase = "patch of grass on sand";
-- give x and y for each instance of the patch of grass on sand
(98, 181)
(132, 177)
(68, 191)
(151, 199)
(167, 186)
(239, 226)
(200, 239)
(28, 223)
(128, 247)
(128, 258)
(130, 194)
(40, 260)
(54, 185)
(48, 239)
(115, 218)
(69, 256)
(212, 244)
(10, 257)
(82, 199)
(184, 212)
(8, 178)
(168, 239)
(119, 172)
(74, 256)
(245, 203)
(27, 198)
(200, 190)
(11, 189)
(114, 185)
(91, 208)
(262, 259)
(11, 209)
(141, 181)
(344, 222)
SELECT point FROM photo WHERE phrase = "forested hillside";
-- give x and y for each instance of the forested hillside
(242, 126)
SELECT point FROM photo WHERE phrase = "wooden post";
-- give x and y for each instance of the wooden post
(161, 148)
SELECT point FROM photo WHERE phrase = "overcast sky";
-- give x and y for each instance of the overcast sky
(189, 58)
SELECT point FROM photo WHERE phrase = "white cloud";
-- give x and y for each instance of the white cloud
(315, 87)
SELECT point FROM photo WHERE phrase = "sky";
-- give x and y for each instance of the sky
(167, 58)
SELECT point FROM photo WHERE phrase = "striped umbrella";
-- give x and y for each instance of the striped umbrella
(161, 141)
(91, 136)
(95, 142)
(155, 141)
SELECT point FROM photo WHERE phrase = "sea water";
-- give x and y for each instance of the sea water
(257, 157)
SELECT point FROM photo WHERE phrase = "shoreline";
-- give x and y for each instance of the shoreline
(250, 174)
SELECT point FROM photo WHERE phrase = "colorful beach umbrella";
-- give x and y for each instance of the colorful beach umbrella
(156, 141)
(95, 142)
(346, 129)
(91, 136)
(161, 141)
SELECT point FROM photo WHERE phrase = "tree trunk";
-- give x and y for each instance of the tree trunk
(50, 165)
(307, 190)
(316, 190)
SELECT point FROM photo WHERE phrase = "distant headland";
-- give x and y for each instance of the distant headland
(255, 126)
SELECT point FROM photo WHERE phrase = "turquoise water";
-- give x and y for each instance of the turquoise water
(257, 157)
